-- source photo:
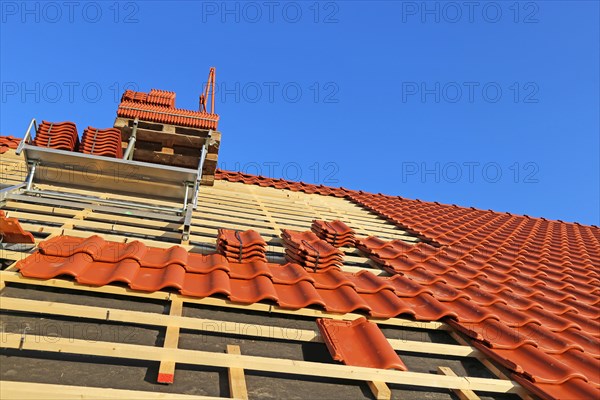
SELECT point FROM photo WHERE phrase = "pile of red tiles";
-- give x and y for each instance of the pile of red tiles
(12, 232)
(8, 142)
(306, 248)
(159, 106)
(101, 142)
(359, 343)
(527, 290)
(336, 233)
(156, 97)
(57, 135)
(241, 246)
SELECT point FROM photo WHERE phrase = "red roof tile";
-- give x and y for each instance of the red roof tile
(12, 232)
(309, 250)
(57, 135)
(148, 110)
(336, 233)
(101, 142)
(500, 274)
(359, 343)
(247, 246)
(8, 142)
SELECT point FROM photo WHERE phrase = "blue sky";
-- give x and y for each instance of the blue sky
(493, 105)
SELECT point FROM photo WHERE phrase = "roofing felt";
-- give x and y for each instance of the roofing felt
(526, 290)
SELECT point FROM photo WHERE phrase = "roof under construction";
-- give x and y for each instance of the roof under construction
(145, 270)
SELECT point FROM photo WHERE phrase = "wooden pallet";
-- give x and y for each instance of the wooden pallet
(172, 145)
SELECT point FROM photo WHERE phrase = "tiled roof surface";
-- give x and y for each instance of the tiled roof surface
(159, 106)
(359, 343)
(526, 290)
(8, 142)
(12, 232)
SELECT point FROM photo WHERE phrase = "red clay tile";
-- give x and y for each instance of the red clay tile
(289, 274)
(359, 343)
(249, 291)
(204, 285)
(571, 389)
(298, 295)
(12, 232)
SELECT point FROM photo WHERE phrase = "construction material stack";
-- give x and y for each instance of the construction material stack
(168, 135)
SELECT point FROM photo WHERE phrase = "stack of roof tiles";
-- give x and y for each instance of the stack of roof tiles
(102, 142)
(57, 135)
(155, 97)
(243, 247)
(336, 233)
(8, 142)
(306, 248)
(159, 106)
(12, 232)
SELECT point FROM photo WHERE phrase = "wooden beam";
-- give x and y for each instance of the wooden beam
(34, 391)
(237, 380)
(462, 394)
(212, 326)
(166, 371)
(380, 390)
(254, 363)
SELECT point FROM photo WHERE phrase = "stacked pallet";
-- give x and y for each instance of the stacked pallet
(241, 246)
(173, 145)
(101, 142)
(306, 248)
(57, 135)
(336, 233)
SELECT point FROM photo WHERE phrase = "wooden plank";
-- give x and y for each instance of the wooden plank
(34, 391)
(462, 394)
(166, 371)
(213, 326)
(237, 380)
(265, 364)
(380, 390)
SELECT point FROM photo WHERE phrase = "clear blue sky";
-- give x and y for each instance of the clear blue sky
(493, 105)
